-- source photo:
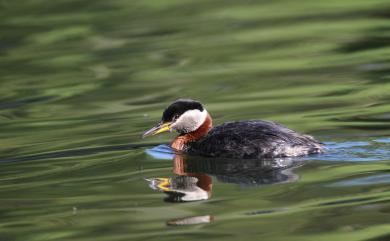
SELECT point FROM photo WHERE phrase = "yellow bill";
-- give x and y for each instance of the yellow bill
(159, 128)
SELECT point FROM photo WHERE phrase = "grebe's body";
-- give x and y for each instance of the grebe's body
(253, 139)
(241, 139)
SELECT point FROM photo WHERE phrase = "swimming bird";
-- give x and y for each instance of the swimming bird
(251, 139)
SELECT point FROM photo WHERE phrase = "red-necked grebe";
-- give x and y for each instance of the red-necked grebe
(251, 139)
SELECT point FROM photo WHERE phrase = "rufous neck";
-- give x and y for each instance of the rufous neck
(179, 142)
(202, 130)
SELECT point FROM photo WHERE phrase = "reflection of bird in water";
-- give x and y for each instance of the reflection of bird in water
(193, 182)
(241, 140)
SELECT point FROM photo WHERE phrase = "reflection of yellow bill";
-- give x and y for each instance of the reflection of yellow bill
(164, 184)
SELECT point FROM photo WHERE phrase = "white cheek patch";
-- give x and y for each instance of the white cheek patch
(190, 121)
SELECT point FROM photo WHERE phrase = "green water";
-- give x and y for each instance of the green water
(81, 80)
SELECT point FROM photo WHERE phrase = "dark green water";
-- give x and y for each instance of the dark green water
(81, 80)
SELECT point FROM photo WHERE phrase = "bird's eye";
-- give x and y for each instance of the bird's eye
(175, 117)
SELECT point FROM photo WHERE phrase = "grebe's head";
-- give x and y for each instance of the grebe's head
(183, 116)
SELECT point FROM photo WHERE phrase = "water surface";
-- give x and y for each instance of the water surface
(81, 81)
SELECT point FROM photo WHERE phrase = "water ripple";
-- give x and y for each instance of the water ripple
(356, 151)
(371, 180)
